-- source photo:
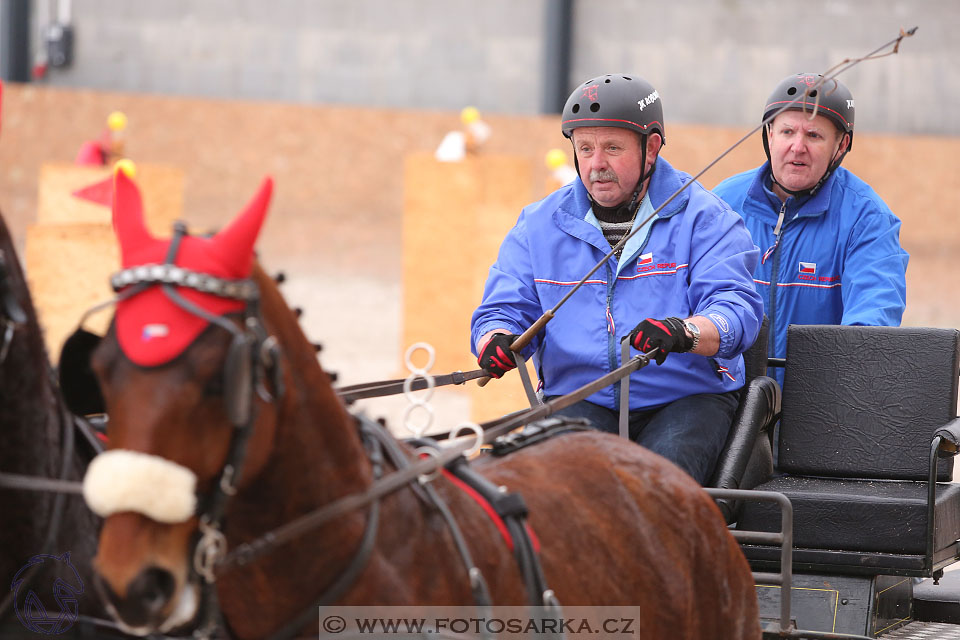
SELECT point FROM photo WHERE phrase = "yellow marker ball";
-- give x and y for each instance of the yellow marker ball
(555, 159)
(469, 115)
(117, 121)
(127, 167)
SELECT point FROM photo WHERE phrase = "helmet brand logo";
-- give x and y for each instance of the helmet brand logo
(650, 99)
(849, 104)
(590, 93)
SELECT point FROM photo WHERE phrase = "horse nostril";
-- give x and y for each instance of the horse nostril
(152, 589)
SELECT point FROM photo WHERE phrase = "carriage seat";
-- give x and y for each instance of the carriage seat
(747, 457)
(867, 434)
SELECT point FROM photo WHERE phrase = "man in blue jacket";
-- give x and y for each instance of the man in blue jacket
(681, 285)
(831, 247)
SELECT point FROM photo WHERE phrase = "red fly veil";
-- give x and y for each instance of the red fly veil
(151, 328)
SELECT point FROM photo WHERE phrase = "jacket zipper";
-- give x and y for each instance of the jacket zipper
(612, 332)
(613, 344)
(774, 274)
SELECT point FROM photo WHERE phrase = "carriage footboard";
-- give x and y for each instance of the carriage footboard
(784, 579)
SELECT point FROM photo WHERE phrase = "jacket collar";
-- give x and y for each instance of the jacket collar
(763, 203)
(664, 182)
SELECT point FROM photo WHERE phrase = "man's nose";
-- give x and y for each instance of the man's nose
(599, 160)
(798, 144)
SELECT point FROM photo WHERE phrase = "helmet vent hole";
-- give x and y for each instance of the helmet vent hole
(576, 108)
(791, 91)
(627, 78)
(595, 107)
(813, 94)
(607, 81)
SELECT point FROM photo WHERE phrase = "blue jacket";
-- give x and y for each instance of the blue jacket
(838, 259)
(696, 258)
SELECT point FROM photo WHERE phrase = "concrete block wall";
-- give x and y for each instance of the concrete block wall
(423, 54)
(716, 61)
(713, 61)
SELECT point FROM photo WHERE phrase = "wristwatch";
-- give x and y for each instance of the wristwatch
(694, 331)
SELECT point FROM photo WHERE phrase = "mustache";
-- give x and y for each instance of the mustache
(605, 175)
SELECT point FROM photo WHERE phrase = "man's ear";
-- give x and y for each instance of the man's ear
(844, 142)
(654, 142)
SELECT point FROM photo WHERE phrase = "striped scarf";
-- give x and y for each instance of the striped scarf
(615, 222)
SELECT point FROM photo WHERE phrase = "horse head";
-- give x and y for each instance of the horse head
(184, 373)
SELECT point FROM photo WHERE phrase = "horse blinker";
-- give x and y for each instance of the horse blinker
(78, 384)
(238, 379)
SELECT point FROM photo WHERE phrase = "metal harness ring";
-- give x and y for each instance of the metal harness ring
(421, 402)
(424, 478)
(477, 431)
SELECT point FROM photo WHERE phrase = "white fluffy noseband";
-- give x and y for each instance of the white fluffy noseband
(121, 480)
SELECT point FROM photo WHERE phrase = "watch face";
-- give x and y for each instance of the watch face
(695, 332)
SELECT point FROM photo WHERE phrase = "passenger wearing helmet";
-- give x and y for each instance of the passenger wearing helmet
(831, 247)
(681, 285)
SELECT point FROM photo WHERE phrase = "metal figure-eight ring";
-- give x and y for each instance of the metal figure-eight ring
(418, 402)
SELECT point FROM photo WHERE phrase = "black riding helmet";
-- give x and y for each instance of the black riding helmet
(616, 100)
(628, 102)
(832, 100)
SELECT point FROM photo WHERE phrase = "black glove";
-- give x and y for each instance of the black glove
(496, 357)
(667, 335)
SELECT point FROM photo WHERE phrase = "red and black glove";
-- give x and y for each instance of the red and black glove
(496, 357)
(667, 335)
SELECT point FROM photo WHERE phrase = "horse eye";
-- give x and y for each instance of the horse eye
(214, 386)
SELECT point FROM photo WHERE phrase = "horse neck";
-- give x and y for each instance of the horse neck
(32, 420)
(29, 404)
(29, 416)
(317, 455)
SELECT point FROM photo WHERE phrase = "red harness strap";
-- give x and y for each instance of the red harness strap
(493, 515)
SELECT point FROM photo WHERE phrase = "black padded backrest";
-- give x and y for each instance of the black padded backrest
(863, 402)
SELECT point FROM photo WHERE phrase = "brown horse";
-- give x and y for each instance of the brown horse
(617, 525)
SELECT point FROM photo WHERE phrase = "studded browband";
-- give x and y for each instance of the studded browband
(240, 289)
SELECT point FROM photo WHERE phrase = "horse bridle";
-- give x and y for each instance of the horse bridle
(252, 357)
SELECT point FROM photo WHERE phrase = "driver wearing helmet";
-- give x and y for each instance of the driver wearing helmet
(831, 247)
(681, 285)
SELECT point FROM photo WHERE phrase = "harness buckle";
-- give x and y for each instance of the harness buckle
(210, 550)
(226, 481)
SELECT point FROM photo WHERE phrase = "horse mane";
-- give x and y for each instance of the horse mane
(300, 356)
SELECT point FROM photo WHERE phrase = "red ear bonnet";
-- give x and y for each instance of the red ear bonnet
(151, 328)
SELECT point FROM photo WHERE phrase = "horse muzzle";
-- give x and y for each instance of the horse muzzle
(147, 607)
